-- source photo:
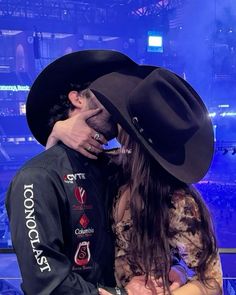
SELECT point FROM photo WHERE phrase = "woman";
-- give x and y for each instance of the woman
(150, 229)
(156, 212)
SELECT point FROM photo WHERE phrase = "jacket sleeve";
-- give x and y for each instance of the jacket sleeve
(33, 208)
(187, 238)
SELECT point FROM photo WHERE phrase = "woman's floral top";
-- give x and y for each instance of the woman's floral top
(184, 238)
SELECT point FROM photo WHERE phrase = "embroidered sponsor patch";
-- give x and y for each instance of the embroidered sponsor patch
(72, 177)
(84, 231)
(81, 233)
(84, 221)
(81, 199)
(82, 255)
(80, 195)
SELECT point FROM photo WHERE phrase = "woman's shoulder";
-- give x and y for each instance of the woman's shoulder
(184, 212)
(184, 200)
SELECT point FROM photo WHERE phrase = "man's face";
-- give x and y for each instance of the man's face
(102, 122)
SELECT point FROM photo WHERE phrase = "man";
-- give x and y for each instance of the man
(57, 203)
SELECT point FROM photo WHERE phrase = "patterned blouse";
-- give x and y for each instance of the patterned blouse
(185, 239)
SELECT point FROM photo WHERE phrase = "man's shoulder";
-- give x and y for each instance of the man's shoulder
(49, 159)
(43, 172)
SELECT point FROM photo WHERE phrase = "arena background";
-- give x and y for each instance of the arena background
(194, 38)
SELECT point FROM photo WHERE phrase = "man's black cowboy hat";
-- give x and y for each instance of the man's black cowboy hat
(59, 78)
(157, 107)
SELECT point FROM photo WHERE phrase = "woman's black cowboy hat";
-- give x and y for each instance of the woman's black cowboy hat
(157, 107)
(164, 114)
(58, 78)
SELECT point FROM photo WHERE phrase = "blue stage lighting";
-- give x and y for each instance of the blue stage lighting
(155, 42)
(215, 128)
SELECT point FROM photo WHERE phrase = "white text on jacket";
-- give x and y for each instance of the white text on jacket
(31, 225)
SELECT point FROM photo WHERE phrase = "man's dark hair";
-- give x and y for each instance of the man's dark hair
(60, 111)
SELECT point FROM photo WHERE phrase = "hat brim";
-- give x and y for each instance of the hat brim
(76, 68)
(195, 157)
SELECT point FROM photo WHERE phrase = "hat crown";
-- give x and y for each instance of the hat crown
(165, 113)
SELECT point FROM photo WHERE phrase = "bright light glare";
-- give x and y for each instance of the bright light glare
(155, 41)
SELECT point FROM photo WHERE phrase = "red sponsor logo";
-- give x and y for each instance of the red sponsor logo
(80, 195)
(82, 255)
(84, 221)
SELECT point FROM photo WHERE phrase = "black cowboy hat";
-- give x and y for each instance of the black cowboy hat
(164, 114)
(59, 77)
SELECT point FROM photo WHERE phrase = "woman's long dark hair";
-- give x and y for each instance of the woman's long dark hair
(151, 189)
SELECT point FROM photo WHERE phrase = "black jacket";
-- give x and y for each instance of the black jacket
(59, 226)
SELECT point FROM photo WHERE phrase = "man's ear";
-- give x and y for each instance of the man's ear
(76, 99)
